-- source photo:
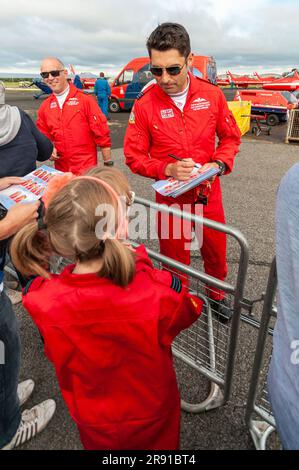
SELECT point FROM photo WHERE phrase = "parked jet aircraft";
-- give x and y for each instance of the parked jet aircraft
(288, 83)
(243, 81)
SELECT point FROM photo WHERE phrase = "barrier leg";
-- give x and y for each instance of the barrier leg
(215, 398)
(260, 431)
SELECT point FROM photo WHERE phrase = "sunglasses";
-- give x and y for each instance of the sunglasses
(54, 73)
(174, 70)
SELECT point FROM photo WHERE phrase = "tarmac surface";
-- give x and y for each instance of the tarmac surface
(249, 200)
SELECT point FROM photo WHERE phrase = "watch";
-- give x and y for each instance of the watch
(222, 167)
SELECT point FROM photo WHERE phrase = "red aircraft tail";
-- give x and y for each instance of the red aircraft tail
(72, 70)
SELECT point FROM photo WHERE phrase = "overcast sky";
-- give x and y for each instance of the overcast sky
(97, 35)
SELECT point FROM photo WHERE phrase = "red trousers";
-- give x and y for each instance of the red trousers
(176, 234)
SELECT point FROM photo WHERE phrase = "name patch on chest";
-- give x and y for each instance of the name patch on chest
(200, 103)
(53, 105)
(167, 113)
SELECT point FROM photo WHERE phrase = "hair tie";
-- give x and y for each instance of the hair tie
(40, 218)
(56, 183)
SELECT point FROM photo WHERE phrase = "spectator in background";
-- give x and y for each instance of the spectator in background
(73, 121)
(102, 91)
(21, 144)
(283, 379)
(77, 82)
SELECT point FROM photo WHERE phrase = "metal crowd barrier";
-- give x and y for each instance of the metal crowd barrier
(208, 346)
(258, 401)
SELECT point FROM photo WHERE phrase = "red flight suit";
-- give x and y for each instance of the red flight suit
(75, 130)
(111, 349)
(157, 128)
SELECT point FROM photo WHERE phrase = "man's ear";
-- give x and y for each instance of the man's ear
(189, 60)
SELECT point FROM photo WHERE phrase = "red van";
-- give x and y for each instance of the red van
(133, 77)
(273, 104)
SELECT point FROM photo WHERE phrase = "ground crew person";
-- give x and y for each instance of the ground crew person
(102, 91)
(181, 114)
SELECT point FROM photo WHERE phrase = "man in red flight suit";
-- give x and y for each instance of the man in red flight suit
(181, 115)
(73, 121)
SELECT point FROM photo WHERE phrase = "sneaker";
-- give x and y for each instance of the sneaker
(109, 163)
(32, 422)
(15, 296)
(24, 390)
(222, 310)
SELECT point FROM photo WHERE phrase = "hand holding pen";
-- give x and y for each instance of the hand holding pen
(202, 168)
(180, 170)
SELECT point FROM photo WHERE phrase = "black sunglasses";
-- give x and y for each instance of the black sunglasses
(174, 70)
(54, 73)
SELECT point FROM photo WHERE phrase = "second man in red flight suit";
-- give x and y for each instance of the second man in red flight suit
(72, 121)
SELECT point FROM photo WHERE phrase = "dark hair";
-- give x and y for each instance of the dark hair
(169, 36)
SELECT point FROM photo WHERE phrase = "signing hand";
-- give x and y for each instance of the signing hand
(180, 170)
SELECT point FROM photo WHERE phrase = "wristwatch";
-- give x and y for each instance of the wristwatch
(222, 167)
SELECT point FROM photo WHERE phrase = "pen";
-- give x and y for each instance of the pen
(182, 159)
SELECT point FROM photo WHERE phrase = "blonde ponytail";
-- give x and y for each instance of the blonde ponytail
(30, 251)
(118, 262)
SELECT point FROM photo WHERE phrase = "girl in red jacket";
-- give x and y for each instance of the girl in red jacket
(109, 319)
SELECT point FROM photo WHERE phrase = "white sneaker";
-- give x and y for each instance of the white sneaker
(32, 422)
(15, 296)
(24, 390)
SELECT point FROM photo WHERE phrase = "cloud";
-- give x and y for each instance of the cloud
(105, 34)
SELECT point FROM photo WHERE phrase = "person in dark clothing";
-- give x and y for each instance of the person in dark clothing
(21, 144)
(77, 82)
(16, 427)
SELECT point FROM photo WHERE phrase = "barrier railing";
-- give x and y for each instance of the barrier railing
(209, 346)
(257, 401)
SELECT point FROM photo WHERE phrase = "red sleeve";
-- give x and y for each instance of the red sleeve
(97, 123)
(228, 133)
(137, 145)
(41, 122)
(178, 308)
(178, 312)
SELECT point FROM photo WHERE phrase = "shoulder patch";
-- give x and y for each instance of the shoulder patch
(132, 118)
(176, 283)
